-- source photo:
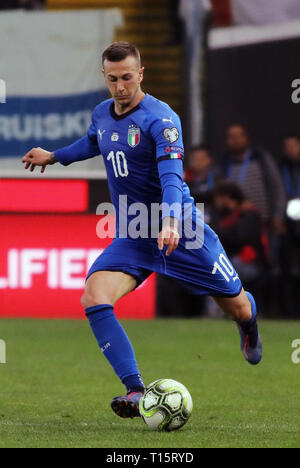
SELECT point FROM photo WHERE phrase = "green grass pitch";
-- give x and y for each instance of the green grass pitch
(56, 386)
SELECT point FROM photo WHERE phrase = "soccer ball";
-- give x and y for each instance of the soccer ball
(166, 405)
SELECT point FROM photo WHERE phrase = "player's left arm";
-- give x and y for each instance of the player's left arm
(167, 134)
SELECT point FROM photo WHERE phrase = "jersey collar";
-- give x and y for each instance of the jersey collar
(123, 116)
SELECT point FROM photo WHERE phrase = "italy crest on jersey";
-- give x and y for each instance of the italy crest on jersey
(134, 136)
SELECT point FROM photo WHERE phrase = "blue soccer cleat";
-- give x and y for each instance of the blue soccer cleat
(251, 343)
(127, 406)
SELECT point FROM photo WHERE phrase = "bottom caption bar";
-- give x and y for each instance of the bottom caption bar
(142, 457)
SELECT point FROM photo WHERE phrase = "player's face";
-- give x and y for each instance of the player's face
(237, 139)
(123, 80)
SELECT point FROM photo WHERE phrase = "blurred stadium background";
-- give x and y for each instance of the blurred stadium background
(217, 63)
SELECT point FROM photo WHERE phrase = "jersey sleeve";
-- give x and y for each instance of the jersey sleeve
(92, 131)
(84, 148)
(167, 135)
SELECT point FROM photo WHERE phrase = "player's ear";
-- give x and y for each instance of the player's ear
(141, 74)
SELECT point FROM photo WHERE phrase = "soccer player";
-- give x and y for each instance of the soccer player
(140, 139)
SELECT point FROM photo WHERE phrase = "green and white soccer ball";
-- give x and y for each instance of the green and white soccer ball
(166, 405)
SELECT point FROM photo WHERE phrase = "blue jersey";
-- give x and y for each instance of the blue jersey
(143, 154)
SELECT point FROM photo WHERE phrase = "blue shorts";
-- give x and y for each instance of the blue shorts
(204, 271)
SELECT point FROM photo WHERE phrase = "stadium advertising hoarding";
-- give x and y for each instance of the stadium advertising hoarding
(43, 264)
(50, 64)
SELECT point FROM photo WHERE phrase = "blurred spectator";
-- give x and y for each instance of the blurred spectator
(290, 245)
(256, 172)
(201, 177)
(258, 175)
(239, 226)
(290, 167)
(25, 4)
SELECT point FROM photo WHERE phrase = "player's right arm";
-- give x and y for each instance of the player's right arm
(85, 148)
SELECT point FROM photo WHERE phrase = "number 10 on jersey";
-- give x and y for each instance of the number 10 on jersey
(119, 163)
(225, 268)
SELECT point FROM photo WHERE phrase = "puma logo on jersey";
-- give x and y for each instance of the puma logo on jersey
(101, 134)
(168, 120)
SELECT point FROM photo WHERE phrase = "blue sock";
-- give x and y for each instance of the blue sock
(115, 345)
(253, 309)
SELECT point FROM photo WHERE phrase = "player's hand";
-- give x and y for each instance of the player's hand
(169, 236)
(38, 157)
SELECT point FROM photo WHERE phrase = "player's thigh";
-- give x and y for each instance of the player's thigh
(107, 287)
(237, 307)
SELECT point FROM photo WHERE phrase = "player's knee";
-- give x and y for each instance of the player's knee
(88, 300)
(91, 300)
(84, 301)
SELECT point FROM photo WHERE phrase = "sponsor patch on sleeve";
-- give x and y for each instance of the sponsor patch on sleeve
(174, 149)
